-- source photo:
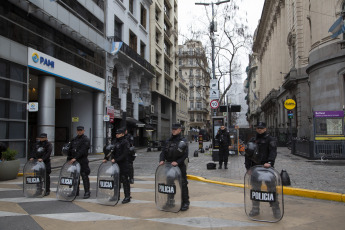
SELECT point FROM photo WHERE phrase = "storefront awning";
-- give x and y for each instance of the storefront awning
(135, 122)
(149, 128)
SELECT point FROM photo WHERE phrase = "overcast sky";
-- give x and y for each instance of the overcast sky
(195, 15)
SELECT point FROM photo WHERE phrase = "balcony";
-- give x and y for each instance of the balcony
(135, 56)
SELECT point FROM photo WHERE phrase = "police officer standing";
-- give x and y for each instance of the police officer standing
(176, 151)
(119, 155)
(78, 151)
(131, 155)
(264, 154)
(41, 152)
(224, 145)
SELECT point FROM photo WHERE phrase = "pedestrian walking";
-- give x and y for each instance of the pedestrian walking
(78, 151)
(175, 151)
(41, 152)
(120, 156)
(263, 152)
(224, 145)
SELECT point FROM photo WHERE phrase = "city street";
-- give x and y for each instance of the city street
(213, 206)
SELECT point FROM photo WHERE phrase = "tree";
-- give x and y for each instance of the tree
(230, 40)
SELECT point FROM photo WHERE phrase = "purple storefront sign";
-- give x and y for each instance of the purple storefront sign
(329, 114)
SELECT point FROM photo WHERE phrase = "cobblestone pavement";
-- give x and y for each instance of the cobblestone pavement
(325, 175)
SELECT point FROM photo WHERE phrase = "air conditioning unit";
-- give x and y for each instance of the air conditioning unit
(152, 108)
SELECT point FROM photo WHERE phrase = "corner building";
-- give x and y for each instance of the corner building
(51, 54)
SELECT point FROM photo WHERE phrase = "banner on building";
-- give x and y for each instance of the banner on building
(115, 47)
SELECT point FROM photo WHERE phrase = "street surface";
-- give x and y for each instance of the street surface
(212, 206)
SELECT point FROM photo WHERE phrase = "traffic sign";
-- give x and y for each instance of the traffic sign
(214, 94)
(214, 104)
(289, 104)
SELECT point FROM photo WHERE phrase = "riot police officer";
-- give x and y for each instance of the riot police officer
(175, 151)
(42, 151)
(131, 155)
(78, 151)
(224, 145)
(119, 155)
(262, 150)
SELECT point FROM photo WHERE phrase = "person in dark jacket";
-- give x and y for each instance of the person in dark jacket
(224, 145)
(120, 156)
(131, 155)
(175, 151)
(41, 152)
(266, 148)
(78, 151)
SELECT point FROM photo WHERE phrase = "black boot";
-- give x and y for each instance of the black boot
(276, 210)
(220, 166)
(86, 183)
(255, 209)
(226, 165)
(47, 185)
(126, 190)
(185, 197)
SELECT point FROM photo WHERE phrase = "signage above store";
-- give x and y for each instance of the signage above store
(48, 64)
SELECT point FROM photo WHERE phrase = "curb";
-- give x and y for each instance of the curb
(322, 195)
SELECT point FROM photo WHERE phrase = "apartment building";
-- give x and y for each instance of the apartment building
(163, 47)
(129, 70)
(193, 68)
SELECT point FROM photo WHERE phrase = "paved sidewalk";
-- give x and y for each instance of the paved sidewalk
(213, 206)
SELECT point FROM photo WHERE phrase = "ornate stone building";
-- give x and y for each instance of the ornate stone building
(297, 59)
(194, 69)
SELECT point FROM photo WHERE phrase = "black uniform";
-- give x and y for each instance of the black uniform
(170, 153)
(224, 142)
(266, 153)
(42, 150)
(79, 150)
(267, 149)
(120, 154)
(131, 156)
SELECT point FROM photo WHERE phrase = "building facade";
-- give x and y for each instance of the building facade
(163, 47)
(193, 67)
(129, 72)
(52, 72)
(297, 59)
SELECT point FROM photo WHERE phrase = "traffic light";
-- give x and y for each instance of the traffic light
(290, 114)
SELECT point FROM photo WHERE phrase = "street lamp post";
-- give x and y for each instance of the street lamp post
(212, 30)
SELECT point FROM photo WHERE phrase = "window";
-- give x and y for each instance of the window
(192, 105)
(166, 9)
(157, 36)
(131, 6)
(157, 14)
(158, 58)
(142, 49)
(191, 61)
(180, 61)
(191, 72)
(166, 28)
(133, 41)
(167, 87)
(118, 30)
(142, 16)
(167, 67)
(167, 48)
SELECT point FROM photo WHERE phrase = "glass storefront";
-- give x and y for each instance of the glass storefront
(13, 101)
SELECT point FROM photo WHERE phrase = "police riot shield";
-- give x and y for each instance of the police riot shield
(263, 194)
(68, 181)
(34, 179)
(168, 188)
(108, 181)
